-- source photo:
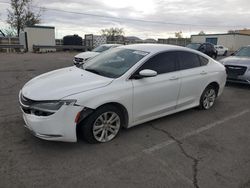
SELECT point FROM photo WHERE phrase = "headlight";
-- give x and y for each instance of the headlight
(51, 106)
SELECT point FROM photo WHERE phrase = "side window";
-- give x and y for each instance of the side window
(203, 60)
(188, 60)
(161, 63)
(209, 47)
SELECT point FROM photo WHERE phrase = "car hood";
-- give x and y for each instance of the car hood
(87, 55)
(60, 83)
(234, 60)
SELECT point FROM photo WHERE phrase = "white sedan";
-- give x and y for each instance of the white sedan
(122, 87)
(221, 50)
(84, 56)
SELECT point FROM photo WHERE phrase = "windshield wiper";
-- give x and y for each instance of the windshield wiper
(93, 71)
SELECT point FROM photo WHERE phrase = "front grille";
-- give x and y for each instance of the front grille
(238, 80)
(233, 70)
(26, 105)
(78, 60)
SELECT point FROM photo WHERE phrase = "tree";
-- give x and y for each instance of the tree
(112, 33)
(9, 32)
(201, 33)
(22, 15)
(231, 31)
(178, 34)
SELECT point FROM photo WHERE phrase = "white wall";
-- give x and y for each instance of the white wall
(40, 36)
(242, 40)
(198, 38)
(228, 41)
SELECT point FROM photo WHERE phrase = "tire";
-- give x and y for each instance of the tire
(225, 53)
(103, 125)
(208, 97)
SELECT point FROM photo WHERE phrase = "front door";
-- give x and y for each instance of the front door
(156, 96)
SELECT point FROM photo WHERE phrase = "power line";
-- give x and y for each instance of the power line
(130, 19)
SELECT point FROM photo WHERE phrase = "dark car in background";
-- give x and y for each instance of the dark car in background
(206, 48)
(238, 66)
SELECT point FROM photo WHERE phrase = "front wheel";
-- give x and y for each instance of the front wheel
(207, 98)
(103, 125)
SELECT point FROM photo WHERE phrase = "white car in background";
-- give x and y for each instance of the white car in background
(221, 50)
(84, 56)
(121, 87)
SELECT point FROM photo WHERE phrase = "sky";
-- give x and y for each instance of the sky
(141, 18)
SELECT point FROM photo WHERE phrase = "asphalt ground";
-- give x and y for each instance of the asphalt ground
(206, 149)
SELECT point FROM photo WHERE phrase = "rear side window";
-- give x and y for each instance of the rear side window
(203, 61)
(188, 60)
(161, 63)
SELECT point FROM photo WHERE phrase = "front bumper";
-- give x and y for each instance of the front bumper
(59, 126)
(243, 79)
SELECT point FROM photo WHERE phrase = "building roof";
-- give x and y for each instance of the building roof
(40, 26)
(222, 34)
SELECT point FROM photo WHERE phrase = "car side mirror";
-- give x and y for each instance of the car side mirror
(144, 73)
(147, 73)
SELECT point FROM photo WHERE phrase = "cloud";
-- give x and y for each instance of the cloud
(192, 16)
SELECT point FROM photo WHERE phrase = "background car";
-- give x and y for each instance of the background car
(84, 56)
(238, 66)
(221, 50)
(122, 87)
(206, 48)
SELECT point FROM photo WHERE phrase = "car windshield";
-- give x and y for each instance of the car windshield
(194, 46)
(101, 48)
(243, 52)
(114, 62)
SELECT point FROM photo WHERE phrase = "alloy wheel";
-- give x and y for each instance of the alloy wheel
(106, 126)
(209, 98)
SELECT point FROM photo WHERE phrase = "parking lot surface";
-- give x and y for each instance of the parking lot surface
(189, 149)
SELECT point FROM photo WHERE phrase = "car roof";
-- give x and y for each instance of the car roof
(195, 43)
(153, 48)
(111, 45)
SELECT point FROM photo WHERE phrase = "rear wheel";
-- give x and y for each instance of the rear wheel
(208, 98)
(103, 125)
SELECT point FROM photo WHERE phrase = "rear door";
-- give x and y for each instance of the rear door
(193, 74)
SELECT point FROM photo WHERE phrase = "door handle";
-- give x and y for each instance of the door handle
(203, 73)
(174, 78)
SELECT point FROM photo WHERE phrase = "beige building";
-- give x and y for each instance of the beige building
(243, 31)
(233, 41)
